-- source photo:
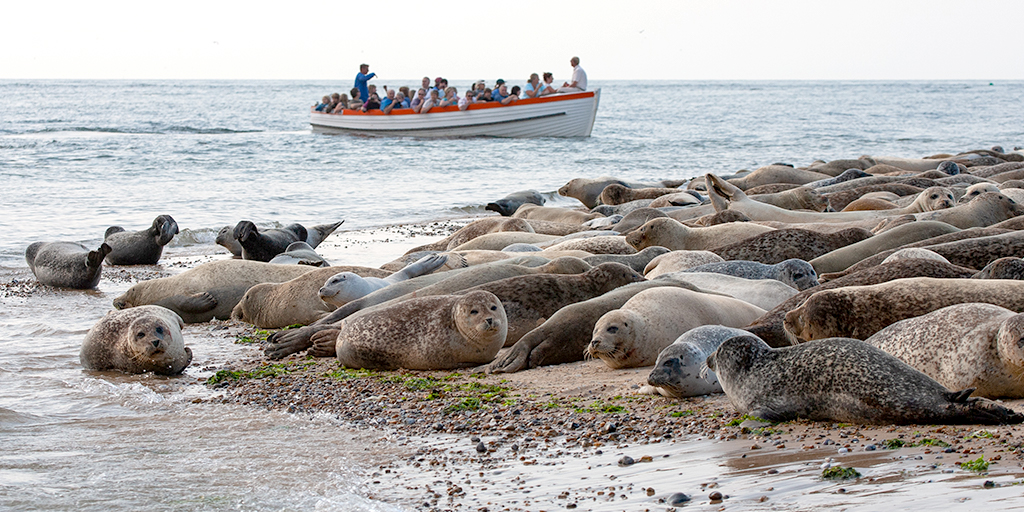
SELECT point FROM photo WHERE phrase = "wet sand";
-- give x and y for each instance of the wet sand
(561, 437)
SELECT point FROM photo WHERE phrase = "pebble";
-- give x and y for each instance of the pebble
(844, 450)
(481, 448)
(870, 448)
(677, 499)
(715, 496)
(626, 460)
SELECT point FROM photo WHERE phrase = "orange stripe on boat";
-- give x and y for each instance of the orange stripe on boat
(474, 106)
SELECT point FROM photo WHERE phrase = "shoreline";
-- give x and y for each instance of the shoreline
(556, 437)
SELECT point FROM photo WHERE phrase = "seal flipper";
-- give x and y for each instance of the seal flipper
(166, 228)
(325, 343)
(95, 258)
(196, 303)
(983, 411)
(959, 396)
(517, 358)
(286, 343)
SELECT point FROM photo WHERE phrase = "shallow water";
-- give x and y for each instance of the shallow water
(79, 156)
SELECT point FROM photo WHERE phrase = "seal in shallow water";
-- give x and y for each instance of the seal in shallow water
(843, 380)
(427, 333)
(140, 247)
(962, 346)
(66, 264)
(677, 373)
(137, 340)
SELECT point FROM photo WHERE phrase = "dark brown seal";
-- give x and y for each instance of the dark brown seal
(783, 244)
(1004, 268)
(844, 380)
(615, 194)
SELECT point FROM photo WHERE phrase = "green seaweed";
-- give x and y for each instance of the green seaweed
(893, 444)
(469, 403)
(258, 336)
(736, 422)
(839, 473)
(680, 414)
(978, 465)
(262, 372)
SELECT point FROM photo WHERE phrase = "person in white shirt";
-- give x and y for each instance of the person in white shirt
(579, 78)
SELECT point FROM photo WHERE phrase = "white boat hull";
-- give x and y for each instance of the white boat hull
(558, 115)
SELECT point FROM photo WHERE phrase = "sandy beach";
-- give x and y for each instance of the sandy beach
(579, 436)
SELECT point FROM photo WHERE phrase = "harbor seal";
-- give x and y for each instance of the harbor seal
(847, 175)
(263, 246)
(794, 272)
(473, 230)
(783, 244)
(318, 233)
(637, 261)
(914, 252)
(838, 201)
(507, 205)
(588, 190)
(844, 257)
(777, 174)
(860, 311)
(985, 210)
(839, 167)
(1003, 268)
(685, 198)
(673, 235)
(66, 264)
(140, 247)
(596, 245)
(962, 346)
(299, 253)
(277, 305)
(226, 239)
(678, 260)
(554, 214)
(842, 380)
(563, 337)
(679, 373)
(636, 333)
(442, 332)
(138, 340)
(763, 293)
(615, 194)
(636, 218)
(208, 291)
(973, 248)
(500, 240)
(977, 190)
(344, 287)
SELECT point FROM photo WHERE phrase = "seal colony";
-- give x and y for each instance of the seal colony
(556, 285)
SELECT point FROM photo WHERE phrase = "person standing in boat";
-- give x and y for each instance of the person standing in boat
(361, 80)
(579, 78)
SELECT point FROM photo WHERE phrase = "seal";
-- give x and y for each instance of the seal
(299, 253)
(869, 387)
(588, 190)
(673, 235)
(563, 337)
(277, 305)
(145, 339)
(500, 240)
(473, 230)
(794, 272)
(783, 244)
(914, 252)
(507, 205)
(636, 333)
(777, 174)
(962, 346)
(678, 371)
(1002, 268)
(714, 219)
(676, 261)
(844, 257)
(429, 333)
(685, 198)
(563, 215)
(636, 218)
(770, 326)
(838, 201)
(799, 198)
(985, 210)
(345, 287)
(596, 245)
(140, 247)
(637, 261)
(838, 167)
(226, 239)
(861, 311)
(972, 248)
(66, 264)
(763, 293)
(208, 291)
(615, 194)
(847, 175)
(318, 233)
(262, 246)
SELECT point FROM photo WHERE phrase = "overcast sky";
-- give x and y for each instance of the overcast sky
(678, 40)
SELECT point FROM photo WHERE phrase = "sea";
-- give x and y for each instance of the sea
(78, 156)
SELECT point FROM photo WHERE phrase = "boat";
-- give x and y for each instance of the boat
(556, 115)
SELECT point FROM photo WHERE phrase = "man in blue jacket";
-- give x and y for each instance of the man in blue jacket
(361, 80)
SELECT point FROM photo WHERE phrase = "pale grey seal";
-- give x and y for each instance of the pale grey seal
(678, 371)
(793, 272)
(66, 264)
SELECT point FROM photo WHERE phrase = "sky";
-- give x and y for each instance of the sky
(621, 40)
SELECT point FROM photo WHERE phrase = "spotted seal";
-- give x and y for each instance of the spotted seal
(841, 258)
(675, 261)
(615, 194)
(962, 346)
(587, 190)
(793, 272)
(869, 386)
(428, 333)
(637, 261)
(777, 174)
(66, 264)
(140, 247)
(1002, 268)
(679, 373)
(636, 333)
(138, 340)
(783, 244)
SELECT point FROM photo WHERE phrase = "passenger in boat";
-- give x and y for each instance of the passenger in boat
(372, 104)
(417, 103)
(499, 92)
(432, 101)
(547, 88)
(513, 95)
(533, 87)
(478, 90)
(466, 100)
(342, 104)
(319, 107)
(372, 91)
(361, 80)
(331, 105)
(400, 97)
(579, 78)
(356, 101)
(451, 97)
(387, 104)
(506, 96)
(405, 92)
(425, 83)
(485, 96)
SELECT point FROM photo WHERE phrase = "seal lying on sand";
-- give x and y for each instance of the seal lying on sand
(841, 380)
(137, 340)
(140, 247)
(763, 293)
(428, 333)
(783, 244)
(678, 372)
(344, 287)
(634, 334)
(300, 253)
(962, 346)
(861, 311)
(263, 246)
(794, 272)
(672, 234)
(66, 264)
(507, 205)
